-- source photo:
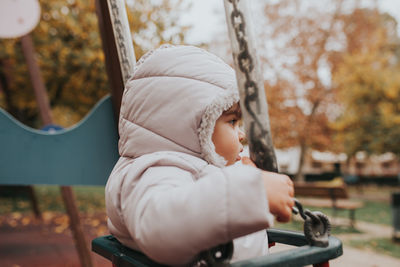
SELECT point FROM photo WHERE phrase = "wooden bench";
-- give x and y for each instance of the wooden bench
(327, 195)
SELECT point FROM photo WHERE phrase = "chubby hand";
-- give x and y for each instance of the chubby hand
(280, 192)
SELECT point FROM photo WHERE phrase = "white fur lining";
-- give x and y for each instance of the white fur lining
(221, 103)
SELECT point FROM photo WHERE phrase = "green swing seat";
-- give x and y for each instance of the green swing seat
(303, 254)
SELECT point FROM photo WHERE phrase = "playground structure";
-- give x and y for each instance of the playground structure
(73, 156)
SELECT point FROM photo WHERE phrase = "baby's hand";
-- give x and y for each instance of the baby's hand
(280, 192)
(248, 161)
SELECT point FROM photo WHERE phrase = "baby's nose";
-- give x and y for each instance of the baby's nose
(241, 135)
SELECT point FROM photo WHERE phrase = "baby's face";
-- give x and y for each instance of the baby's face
(227, 135)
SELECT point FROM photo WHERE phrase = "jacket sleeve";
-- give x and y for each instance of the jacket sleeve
(172, 218)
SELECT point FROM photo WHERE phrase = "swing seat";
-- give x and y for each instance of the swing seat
(303, 254)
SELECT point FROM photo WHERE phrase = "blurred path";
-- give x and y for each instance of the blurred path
(359, 257)
(37, 245)
(369, 230)
(367, 258)
(354, 257)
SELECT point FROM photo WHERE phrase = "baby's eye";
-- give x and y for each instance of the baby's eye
(233, 122)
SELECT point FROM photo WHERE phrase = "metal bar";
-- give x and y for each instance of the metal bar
(37, 81)
(322, 264)
(45, 114)
(123, 38)
(113, 68)
(76, 227)
(251, 86)
(34, 202)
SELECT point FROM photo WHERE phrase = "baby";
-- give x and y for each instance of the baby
(176, 190)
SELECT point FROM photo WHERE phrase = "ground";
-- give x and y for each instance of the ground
(38, 244)
(26, 241)
(360, 257)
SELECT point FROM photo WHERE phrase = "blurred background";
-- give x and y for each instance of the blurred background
(330, 75)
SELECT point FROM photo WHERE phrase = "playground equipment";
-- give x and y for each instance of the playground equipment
(73, 155)
(255, 113)
(82, 155)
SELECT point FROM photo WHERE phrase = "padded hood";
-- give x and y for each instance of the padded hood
(172, 102)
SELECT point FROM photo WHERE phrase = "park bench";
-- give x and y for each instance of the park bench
(327, 195)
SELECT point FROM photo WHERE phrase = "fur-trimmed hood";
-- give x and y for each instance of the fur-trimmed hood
(173, 101)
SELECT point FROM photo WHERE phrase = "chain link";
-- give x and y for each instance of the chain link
(317, 225)
(264, 158)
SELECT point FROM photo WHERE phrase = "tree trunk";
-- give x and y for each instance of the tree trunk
(36, 79)
(4, 87)
(299, 177)
(303, 145)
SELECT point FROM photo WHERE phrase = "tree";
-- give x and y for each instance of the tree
(295, 40)
(305, 46)
(302, 36)
(71, 59)
(369, 86)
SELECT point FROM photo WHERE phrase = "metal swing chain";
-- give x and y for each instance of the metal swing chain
(316, 224)
(264, 156)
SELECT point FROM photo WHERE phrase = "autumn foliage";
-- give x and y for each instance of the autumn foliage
(331, 80)
(369, 86)
(69, 53)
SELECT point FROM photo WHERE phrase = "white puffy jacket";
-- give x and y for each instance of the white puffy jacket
(169, 194)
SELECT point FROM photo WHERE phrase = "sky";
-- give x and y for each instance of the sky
(207, 18)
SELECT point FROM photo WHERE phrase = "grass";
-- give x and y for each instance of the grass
(377, 212)
(377, 209)
(296, 225)
(381, 245)
(89, 199)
